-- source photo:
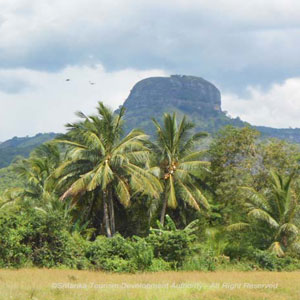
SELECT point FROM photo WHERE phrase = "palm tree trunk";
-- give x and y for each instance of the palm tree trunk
(106, 216)
(111, 212)
(163, 210)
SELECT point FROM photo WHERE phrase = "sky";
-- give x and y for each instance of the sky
(248, 49)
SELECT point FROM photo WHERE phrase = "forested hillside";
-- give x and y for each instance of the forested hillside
(21, 146)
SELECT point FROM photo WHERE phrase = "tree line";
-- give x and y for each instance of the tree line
(242, 191)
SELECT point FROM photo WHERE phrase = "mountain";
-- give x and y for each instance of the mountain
(193, 96)
(21, 146)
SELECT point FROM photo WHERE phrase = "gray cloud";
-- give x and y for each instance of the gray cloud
(222, 41)
(13, 85)
(249, 50)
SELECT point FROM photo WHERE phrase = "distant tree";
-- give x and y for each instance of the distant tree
(279, 156)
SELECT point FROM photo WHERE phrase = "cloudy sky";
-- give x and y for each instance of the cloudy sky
(249, 49)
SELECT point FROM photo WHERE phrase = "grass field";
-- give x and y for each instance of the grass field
(43, 284)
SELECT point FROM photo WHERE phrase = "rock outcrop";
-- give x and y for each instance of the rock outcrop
(188, 93)
(192, 96)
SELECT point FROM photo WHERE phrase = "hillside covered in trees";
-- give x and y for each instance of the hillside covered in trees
(21, 146)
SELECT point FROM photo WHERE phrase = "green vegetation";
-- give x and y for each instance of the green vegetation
(15, 147)
(179, 165)
(8, 179)
(98, 199)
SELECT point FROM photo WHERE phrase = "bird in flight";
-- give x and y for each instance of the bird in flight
(68, 79)
(91, 83)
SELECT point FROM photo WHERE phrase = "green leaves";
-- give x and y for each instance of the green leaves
(99, 162)
(238, 227)
(259, 214)
(179, 165)
(273, 211)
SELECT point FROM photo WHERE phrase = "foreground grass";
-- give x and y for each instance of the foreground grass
(43, 284)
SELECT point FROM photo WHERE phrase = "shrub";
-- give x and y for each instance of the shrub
(116, 264)
(159, 264)
(104, 248)
(204, 260)
(13, 252)
(33, 237)
(269, 261)
(140, 253)
(171, 246)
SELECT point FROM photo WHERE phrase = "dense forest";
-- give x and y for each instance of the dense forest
(98, 198)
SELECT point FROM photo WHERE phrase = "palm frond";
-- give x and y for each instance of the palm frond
(241, 226)
(289, 230)
(188, 196)
(122, 191)
(259, 214)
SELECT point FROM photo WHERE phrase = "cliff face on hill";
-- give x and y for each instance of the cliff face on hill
(187, 93)
(193, 96)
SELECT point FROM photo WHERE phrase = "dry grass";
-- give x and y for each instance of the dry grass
(43, 284)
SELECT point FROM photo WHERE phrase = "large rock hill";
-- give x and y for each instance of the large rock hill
(187, 93)
(193, 96)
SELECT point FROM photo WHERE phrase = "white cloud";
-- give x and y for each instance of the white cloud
(50, 101)
(277, 107)
(233, 43)
(218, 39)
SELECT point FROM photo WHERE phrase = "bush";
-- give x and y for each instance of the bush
(106, 249)
(140, 253)
(118, 254)
(116, 264)
(266, 260)
(159, 264)
(269, 261)
(33, 237)
(13, 252)
(171, 246)
(77, 246)
(204, 260)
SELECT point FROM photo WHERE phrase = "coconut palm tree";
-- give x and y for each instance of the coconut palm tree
(274, 210)
(103, 166)
(36, 172)
(179, 163)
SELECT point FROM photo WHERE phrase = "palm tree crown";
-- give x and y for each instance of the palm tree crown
(276, 209)
(36, 171)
